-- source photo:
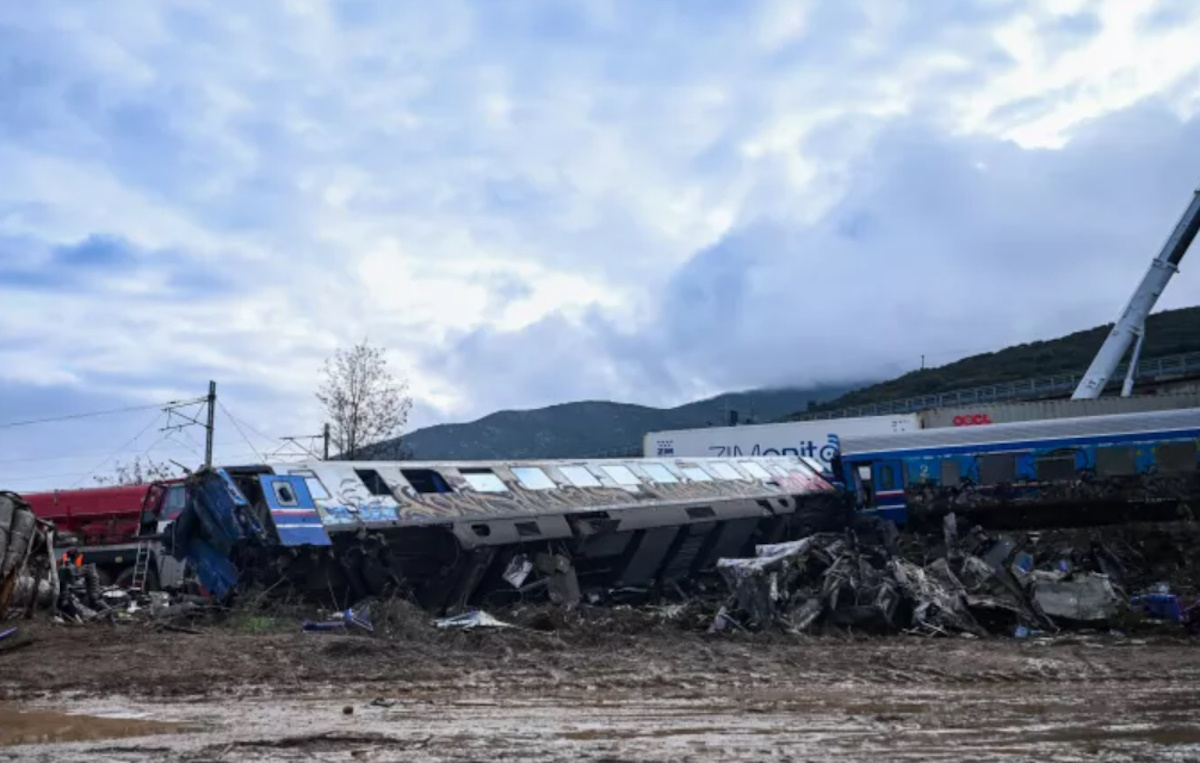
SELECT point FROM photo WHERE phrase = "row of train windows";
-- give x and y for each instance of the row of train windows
(996, 468)
(534, 478)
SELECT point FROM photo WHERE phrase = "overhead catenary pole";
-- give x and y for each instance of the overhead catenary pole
(208, 433)
(325, 457)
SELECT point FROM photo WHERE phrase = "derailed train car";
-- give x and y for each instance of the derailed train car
(457, 533)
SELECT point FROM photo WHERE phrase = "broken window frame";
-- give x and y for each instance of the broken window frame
(416, 480)
(282, 488)
(374, 483)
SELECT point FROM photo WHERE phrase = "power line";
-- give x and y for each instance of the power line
(132, 440)
(91, 414)
(239, 429)
(8, 483)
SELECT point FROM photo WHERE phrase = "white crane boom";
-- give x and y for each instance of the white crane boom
(1132, 323)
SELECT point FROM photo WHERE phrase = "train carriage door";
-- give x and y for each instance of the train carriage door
(293, 511)
(888, 476)
(864, 485)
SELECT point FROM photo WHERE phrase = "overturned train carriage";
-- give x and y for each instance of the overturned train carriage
(458, 533)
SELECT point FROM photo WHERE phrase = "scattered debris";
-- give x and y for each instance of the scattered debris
(359, 617)
(977, 585)
(1081, 597)
(469, 620)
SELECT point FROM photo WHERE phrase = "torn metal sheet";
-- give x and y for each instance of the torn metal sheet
(1083, 597)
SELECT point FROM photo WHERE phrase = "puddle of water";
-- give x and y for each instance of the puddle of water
(25, 726)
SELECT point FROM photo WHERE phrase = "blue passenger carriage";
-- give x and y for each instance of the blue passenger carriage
(1084, 470)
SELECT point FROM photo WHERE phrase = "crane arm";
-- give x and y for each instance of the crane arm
(1130, 325)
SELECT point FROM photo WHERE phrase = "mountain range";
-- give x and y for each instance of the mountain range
(600, 428)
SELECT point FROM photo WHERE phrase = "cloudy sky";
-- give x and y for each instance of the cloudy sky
(535, 201)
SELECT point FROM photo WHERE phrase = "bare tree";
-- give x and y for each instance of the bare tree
(364, 402)
(137, 473)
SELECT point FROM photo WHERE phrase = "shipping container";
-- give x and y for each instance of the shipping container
(1040, 410)
(814, 440)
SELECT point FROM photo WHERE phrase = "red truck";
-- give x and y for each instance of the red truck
(108, 524)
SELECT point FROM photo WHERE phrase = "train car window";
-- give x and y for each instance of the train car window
(659, 473)
(1176, 457)
(950, 475)
(725, 471)
(997, 468)
(533, 478)
(1057, 467)
(1116, 462)
(315, 488)
(755, 470)
(579, 476)
(887, 477)
(696, 474)
(174, 502)
(483, 480)
(777, 470)
(621, 475)
(375, 484)
(426, 481)
(284, 495)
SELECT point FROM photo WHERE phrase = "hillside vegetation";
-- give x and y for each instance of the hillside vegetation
(1167, 333)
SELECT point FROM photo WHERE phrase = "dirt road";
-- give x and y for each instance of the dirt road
(596, 694)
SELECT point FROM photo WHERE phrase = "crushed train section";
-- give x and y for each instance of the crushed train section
(451, 535)
(750, 545)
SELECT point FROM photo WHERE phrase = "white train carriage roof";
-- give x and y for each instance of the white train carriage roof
(1117, 425)
(350, 492)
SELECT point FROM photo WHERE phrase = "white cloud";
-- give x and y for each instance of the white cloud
(419, 173)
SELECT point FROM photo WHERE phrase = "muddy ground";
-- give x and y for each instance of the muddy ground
(615, 686)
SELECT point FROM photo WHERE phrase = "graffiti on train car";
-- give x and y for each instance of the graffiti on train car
(393, 497)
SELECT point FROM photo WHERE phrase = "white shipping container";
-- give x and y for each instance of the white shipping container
(817, 440)
(1041, 410)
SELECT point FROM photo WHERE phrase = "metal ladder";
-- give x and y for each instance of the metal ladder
(141, 566)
